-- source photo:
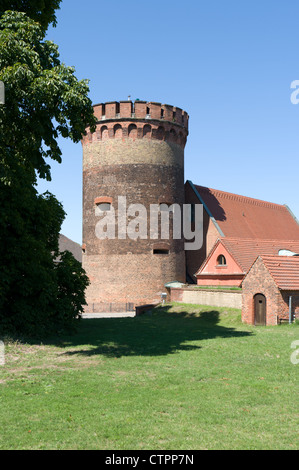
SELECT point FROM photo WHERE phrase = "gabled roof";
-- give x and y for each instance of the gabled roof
(245, 217)
(284, 271)
(245, 250)
(216, 244)
(68, 244)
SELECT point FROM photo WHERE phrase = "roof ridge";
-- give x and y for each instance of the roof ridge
(282, 258)
(278, 272)
(260, 241)
(240, 198)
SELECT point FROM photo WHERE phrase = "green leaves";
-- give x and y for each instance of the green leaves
(44, 99)
(42, 11)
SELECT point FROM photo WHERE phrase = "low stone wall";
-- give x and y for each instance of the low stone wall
(217, 297)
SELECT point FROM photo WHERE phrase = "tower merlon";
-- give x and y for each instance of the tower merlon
(141, 110)
(138, 120)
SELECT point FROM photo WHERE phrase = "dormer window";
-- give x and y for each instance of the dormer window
(221, 261)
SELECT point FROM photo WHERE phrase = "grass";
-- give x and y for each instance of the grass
(185, 377)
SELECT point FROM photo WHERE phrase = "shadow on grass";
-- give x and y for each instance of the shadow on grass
(161, 333)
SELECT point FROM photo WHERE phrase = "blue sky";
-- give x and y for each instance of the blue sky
(229, 64)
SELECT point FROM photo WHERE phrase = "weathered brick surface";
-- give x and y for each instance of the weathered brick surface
(210, 297)
(259, 281)
(141, 158)
(284, 303)
(194, 259)
(129, 278)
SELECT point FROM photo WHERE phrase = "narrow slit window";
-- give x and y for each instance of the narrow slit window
(159, 251)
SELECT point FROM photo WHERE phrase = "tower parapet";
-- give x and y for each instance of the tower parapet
(140, 119)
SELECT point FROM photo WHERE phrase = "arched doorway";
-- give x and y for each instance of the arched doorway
(259, 310)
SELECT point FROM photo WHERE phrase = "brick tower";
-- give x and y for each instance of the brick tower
(136, 153)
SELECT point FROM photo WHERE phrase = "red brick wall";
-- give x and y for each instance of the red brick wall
(284, 304)
(259, 281)
(176, 295)
(142, 158)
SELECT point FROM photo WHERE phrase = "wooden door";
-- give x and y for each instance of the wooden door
(259, 309)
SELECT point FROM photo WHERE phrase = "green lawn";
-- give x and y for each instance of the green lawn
(185, 377)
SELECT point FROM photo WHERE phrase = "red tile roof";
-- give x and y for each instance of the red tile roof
(245, 251)
(245, 217)
(284, 270)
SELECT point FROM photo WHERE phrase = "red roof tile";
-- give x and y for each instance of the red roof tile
(284, 270)
(245, 251)
(245, 217)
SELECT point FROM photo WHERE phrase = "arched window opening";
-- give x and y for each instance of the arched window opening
(118, 132)
(172, 135)
(160, 133)
(104, 133)
(221, 261)
(132, 131)
(147, 131)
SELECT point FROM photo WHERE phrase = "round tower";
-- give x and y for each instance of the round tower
(133, 169)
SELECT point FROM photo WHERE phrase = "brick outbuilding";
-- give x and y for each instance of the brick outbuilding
(271, 290)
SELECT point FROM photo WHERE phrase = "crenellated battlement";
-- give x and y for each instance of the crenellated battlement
(141, 110)
(139, 120)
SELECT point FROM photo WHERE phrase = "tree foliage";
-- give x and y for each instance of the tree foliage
(44, 100)
(42, 11)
